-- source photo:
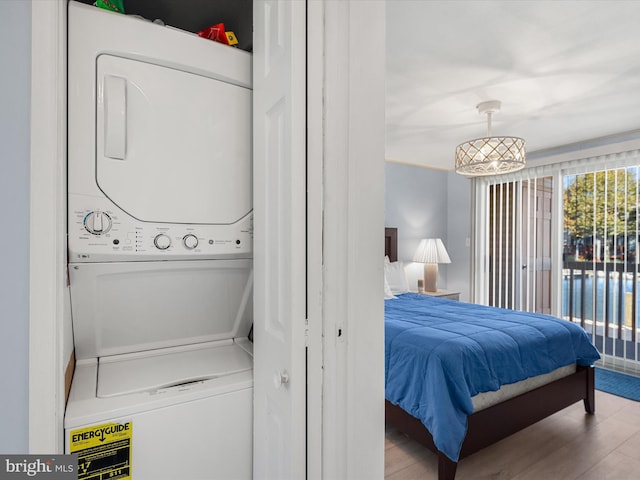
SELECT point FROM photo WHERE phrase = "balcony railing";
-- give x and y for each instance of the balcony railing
(603, 298)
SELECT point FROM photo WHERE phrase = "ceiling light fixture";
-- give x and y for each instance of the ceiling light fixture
(490, 155)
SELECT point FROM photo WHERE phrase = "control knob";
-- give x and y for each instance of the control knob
(97, 222)
(190, 241)
(162, 241)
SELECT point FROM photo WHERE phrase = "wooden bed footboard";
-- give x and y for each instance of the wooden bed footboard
(489, 426)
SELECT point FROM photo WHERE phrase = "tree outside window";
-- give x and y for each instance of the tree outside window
(601, 215)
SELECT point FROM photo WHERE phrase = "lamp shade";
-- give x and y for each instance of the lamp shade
(431, 250)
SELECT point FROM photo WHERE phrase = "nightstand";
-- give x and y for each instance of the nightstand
(443, 294)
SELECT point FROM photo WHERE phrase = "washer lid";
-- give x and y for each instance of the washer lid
(169, 367)
(172, 146)
(128, 307)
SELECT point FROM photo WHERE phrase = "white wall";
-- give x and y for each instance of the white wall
(15, 85)
(427, 203)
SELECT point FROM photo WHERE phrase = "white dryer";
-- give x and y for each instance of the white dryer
(159, 142)
(160, 250)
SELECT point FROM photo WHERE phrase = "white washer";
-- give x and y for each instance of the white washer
(160, 246)
(193, 431)
(162, 347)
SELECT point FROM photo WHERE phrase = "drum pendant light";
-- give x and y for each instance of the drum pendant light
(490, 155)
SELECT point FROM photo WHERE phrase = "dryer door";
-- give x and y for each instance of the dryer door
(172, 146)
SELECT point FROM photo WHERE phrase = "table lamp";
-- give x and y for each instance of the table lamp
(431, 252)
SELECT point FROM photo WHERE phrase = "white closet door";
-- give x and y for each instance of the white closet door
(279, 239)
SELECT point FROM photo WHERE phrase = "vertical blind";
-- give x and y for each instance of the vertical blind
(515, 266)
(562, 239)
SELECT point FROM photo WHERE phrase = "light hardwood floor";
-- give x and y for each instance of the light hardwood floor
(568, 445)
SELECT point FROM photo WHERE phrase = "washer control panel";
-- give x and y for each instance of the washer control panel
(105, 233)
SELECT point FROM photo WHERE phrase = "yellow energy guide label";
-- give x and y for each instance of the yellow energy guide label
(104, 451)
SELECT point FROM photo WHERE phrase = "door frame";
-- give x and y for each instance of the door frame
(47, 239)
(353, 92)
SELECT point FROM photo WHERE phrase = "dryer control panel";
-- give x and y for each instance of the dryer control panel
(105, 233)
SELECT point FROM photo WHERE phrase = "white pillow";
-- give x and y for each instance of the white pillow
(395, 276)
(387, 290)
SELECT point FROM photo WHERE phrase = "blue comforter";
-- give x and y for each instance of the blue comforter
(439, 353)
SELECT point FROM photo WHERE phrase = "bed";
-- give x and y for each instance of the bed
(467, 404)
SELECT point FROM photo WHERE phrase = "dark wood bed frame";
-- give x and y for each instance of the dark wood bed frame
(499, 421)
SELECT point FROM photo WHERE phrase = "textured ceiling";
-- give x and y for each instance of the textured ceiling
(565, 72)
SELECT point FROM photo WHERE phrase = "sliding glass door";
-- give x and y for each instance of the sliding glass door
(600, 267)
(561, 239)
(518, 254)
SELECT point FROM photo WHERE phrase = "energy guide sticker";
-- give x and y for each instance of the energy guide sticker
(104, 451)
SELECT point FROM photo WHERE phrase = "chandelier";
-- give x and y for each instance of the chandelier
(490, 155)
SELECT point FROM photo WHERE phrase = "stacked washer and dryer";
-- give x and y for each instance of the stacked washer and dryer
(160, 244)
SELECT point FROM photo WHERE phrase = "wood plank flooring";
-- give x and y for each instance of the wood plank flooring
(568, 445)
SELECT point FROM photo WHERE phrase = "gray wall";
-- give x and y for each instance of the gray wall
(427, 203)
(459, 234)
(416, 203)
(15, 80)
